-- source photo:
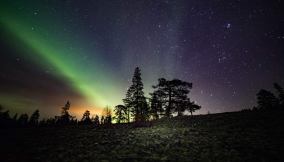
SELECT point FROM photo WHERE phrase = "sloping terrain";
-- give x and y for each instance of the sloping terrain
(238, 136)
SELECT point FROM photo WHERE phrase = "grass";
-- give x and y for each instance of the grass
(238, 136)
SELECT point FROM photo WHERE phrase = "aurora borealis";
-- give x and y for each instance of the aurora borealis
(86, 52)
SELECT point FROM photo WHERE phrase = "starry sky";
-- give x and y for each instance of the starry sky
(86, 51)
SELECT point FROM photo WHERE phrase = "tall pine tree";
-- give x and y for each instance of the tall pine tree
(135, 100)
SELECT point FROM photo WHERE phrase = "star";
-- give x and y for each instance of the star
(228, 25)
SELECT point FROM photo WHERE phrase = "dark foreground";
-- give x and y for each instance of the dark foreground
(239, 136)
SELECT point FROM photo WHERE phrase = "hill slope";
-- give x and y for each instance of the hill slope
(238, 136)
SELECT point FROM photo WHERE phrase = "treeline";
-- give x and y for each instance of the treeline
(7, 121)
(23, 120)
(169, 97)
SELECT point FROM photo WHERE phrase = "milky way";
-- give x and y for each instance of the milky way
(52, 51)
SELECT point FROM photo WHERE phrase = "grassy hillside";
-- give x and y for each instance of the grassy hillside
(238, 136)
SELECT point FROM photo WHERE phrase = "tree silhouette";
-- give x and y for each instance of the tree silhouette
(102, 120)
(107, 116)
(96, 120)
(65, 116)
(135, 101)
(120, 112)
(15, 117)
(34, 119)
(23, 120)
(192, 107)
(143, 110)
(4, 115)
(173, 93)
(139, 103)
(179, 107)
(266, 100)
(156, 106)
(5, 119)
(280, 94)
(128, 103)
(86, 118)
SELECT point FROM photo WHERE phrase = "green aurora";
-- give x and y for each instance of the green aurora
(65, 57)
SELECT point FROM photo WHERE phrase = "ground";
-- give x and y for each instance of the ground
(238, 136)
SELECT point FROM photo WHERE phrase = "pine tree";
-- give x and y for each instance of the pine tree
(23, 119)
(139, 107)
(5, 119)
(96, 120)
(120, 112)
(86, 117)
(102, 120)
(34, 118)
(107, 116)
(65, 116)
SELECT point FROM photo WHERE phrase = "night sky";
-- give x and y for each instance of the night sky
(86, 51)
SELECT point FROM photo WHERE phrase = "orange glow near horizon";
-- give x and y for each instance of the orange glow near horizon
(78, 111)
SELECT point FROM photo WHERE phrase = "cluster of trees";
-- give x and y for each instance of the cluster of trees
(23, 120)
(169, 97)
(64, 119)
(266, 100)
